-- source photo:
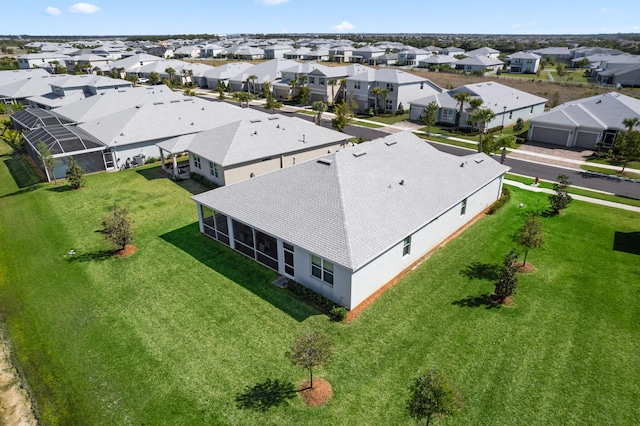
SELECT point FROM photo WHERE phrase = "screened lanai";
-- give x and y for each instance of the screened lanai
(64, 142)
(33, 118)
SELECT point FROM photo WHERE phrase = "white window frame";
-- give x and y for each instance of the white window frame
(196, 161)
(213, 169)
(463, 207)
(406, 246)
(356, 85)
(322, 270)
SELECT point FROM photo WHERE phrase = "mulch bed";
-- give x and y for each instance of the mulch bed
(126, 251)
(319, 395)
(525, 269)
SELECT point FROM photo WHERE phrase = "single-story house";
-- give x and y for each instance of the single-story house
(628, 76)
(507, 103)
(33, 118)
(585, 122)
(484, 51)
(438, 60)
(346, 224)
(253, 146)
(479, 63)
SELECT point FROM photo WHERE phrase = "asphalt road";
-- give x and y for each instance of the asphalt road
(578, 178)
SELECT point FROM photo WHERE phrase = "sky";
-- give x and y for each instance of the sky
(161, 17)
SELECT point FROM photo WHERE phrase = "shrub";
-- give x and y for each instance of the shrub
(339, 313)
(504, 199)
(519, 126)
(400, 109)
(203, 181)
(152, 160)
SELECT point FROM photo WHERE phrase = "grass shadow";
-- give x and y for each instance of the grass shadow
(482, 301)
(92, 256)
(152, 173)
(265, 395)
(628, 242)
(22, 171)
(239, 269)
(22, 191)
(482, 271)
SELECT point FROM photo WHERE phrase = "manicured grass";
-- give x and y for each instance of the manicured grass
(448, 141)
(365, 124)
(631, 165)
(386, 119)
(578, 191)
(611, 172)
(173, 333)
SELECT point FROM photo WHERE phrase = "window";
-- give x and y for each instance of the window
(312, 80)
(463, 209)
(406, 246)
(196, 161)
(356, 85)
(510, 115)
(531, 110)
(447, 115)
(321, 81)
(390, 87)
(421, 85)
(322, 269)
(213, 168)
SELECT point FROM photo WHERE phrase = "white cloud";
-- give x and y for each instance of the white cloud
(84, 8)
(344, 26)
(272, 2)
(604, 9)
(52, 11)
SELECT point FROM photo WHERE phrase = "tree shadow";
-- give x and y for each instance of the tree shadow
(22, 191)
(64, 188)
(482, 271)
(263, 396)
(22, 172)
(484, 300)
(92, 256)
(628, 242)
(238, 268)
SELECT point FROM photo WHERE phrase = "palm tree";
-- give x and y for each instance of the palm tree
(266, 89)
(251, 83)
(170, 71)
(630, 123)
(376, 92)
(343, 86)
(190, 74)
(333, 82)
(319, 107)
(293, 83)
(475, 103)
(303, 79)
(154, 77)
(481, 117)
(462, 98)
(385, 95)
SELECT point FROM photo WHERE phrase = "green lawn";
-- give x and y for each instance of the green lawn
(386, 119)
(173, 333)
(615, 172)
(611, 162)
(577, 191)
(365, 124)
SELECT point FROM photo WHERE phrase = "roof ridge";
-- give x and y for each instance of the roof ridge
(593, 116)
(347, 240)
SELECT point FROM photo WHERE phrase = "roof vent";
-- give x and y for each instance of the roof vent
(402, 182)
(325, 161)
(255, 132)
(255, 121)
(359, 153)
(390, 143)
(273, 118)
(479, 160)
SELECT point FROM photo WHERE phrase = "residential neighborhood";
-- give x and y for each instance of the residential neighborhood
(292, 228)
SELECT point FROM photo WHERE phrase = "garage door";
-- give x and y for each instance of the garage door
(543, 134)
(586, 140)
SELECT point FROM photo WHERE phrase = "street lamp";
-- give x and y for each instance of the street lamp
(504, 111)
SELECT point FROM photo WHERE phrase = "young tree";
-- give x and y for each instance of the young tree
(430, 115)
(272, 104)
(154, 77)
(385, 94)
(304, 95)
(519, 126)
(627, 147)
(118, 227)
(494, 144)
(75, 174)
(531, 235)
(266, 89)
(171, 72)
(311, 349)
(343, 116)
(561, 198)
(319, 107)
(376, 92)
(461, 98)
(561, 69)
(434, 395)
(333, 83)
(47, 160)
(507, 284)
(481, 117)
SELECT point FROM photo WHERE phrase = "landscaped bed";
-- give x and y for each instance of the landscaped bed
(174, 332)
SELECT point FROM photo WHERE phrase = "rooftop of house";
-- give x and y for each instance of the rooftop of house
(354, 204)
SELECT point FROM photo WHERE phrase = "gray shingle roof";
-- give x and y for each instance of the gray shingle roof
(349, 209)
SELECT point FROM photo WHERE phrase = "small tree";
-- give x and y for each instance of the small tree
(47, 160)
(400, 109)
(118, 227)
(304, 95)
(519, 126)
(272, 104)
(430, 115)
(627, 147)
(481, 117)
(75, 174)
(154, 77)
(561, 69)
(343, 116)
(494, 144)
(434, 395)
(507, 284)
(561, 198)
(312, 349)
(531, 235)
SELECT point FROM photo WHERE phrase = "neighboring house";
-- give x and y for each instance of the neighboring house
(387, 59)
(19, 90)
(340, 53)
(523, 63)
(586, 122)
(211, 51)
(187, 52)
(224, 72)
(412, 57)
(87, 61)
(367, 55)
(254, 146)
(277, 51)
(281, 88)
(249, 53)
(559, 54)
(9, 77)
(437, 61)
(299, 54)
(450, 51)
(41, 60)
(348, 223)
(269, 71)
(628, 76)
(484, 51)
(131, 64)
(609, 64)
(320, 80)
(507, 103)
(403, 87)
(479, 64)
(583, 51)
